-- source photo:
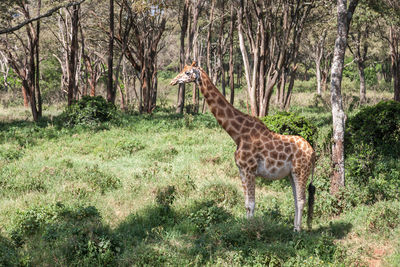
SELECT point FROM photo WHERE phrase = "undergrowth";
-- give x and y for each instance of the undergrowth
(163, 189)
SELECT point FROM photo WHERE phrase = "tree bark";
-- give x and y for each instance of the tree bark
(231, 77)
(363, 90)
(344, 16)
(110, 87)
(37, 51)
(73, 54)
(395, 58)
(211, 20)
(184, 26)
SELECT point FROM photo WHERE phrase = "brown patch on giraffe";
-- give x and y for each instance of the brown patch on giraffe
(255, 134)
(214, 110)
(264, 138)
(214, 94)
(245, 155)
(210, 101)
(240, 119)
(221, 102)
(235, 125)
(290, 157)
(219, 121)
(298, 154)
(245, 130)
(292, 140)
(259, 126)
(270, 162)
(245, 138)
(269, 146)
(229, 113)
(258, 143)
(245, 146)
(206, 95)
(220, 113)
(279, 148)
(273, 170)
(279, 164)
(248, 123)
(231, 131)
(251, 162)
(274, 154)
(288, 150)
(282, 156)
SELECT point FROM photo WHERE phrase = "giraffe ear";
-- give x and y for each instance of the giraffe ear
(194, 64)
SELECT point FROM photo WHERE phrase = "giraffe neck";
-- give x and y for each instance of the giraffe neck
(222, 110)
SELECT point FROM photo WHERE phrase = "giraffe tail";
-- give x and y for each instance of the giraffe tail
(311, 198)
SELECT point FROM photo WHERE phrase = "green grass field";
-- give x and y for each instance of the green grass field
(163, 189)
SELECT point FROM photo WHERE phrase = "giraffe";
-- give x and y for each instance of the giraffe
(260, 152)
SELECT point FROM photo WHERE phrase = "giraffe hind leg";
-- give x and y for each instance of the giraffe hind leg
(299, 200)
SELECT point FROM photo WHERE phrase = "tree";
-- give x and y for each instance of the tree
(273, 30)
(359, 42)
(23, 58)
(184, 25)
(110, 87)
(344, 16)
(390, 10)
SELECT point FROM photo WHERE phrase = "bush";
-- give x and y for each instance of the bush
(375, 127)
(206, 213)
(75, 236)
(290, 124)
(373, 148)
(89, 111)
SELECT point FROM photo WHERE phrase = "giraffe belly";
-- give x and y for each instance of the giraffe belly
(273, 172)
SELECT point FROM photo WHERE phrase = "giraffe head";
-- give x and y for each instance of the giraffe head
(188, 74)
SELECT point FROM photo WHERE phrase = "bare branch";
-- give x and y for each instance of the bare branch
(48, 14)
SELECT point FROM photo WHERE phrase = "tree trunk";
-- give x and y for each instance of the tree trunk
(110, 87)
(361, 74)
(231, 77)
(318, 75)
(37, 72)
(72, 54)
(211, 20)
(338, 116)
(395, 57)
(220, 49)
(184, 26)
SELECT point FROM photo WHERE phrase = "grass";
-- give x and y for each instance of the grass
(163, 189)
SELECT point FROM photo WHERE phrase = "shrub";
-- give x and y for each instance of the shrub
(372, 150)
(290, 124)
(88, 111)
(383, 216)
(206, 213)
(73, 235)
(221, 193)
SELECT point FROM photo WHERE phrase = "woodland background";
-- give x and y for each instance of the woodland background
(103, 162)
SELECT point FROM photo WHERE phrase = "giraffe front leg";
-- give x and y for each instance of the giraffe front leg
(248, 183)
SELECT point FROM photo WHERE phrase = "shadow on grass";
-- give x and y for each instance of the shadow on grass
(206, 234)
(201, 233)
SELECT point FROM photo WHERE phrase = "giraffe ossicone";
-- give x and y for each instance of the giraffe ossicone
(260, 152)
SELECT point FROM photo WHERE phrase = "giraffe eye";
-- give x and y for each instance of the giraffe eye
(187, 73)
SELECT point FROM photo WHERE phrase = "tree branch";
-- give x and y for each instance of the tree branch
(48, 14)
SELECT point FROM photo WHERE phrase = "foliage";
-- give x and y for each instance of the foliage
(162, 189)
(73, 235)
(88, 111)
(373, 149)
(291, 124)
